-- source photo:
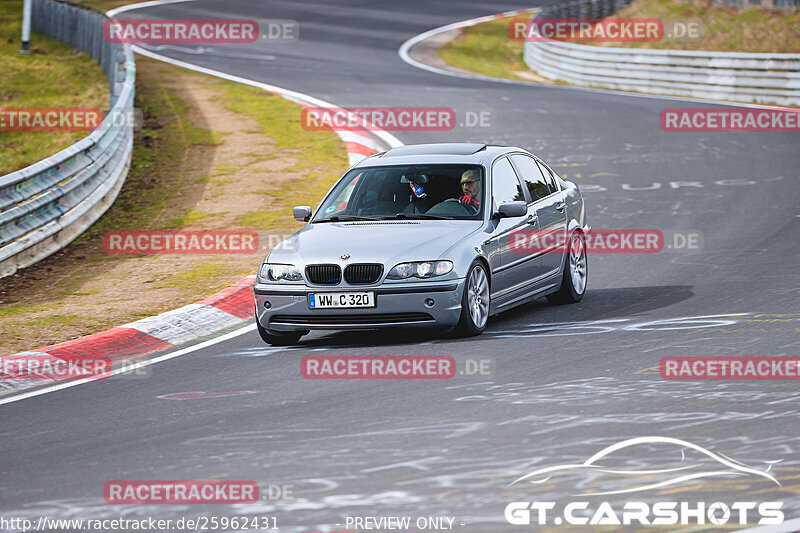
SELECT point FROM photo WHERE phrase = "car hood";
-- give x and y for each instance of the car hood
(387, 242)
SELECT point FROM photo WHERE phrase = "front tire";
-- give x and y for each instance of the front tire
(279, 339)
(475, 302)
(576, 274)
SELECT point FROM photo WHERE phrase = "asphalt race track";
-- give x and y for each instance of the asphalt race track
(568, 381)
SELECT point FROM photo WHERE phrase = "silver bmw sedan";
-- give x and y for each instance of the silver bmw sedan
(430, 235)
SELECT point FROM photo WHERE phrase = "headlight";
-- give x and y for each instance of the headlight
(420, 269)
(273, 272)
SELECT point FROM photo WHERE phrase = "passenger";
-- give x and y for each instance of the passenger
(471, 187)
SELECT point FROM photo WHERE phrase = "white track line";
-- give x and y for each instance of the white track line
(128, 368)
(114, 12)
(403, 52)
(790, 526)
(409, 44)
(294, 96)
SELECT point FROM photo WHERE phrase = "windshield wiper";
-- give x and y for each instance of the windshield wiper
(420, 215)
(339, 218)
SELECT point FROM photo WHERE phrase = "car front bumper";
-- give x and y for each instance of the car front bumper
(396, 305)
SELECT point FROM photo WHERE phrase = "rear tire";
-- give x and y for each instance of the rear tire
(475, 302)
(279, 339)
(576, 273)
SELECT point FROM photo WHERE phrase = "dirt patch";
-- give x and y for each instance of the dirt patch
(238, 170)
(198, 165)
(532, 76)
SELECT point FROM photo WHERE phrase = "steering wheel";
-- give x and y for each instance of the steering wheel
(469, 211)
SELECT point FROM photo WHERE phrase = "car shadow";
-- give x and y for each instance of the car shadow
(597, 304)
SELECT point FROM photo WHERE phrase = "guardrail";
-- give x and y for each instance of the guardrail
(45, 206)
(749, 77)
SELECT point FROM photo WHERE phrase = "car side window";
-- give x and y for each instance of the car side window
(551, 179)
(505, 184)
(533, 176)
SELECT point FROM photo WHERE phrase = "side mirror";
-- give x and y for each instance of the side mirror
(512, 209)
(302, 213)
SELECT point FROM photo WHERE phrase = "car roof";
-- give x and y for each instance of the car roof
(438, 153)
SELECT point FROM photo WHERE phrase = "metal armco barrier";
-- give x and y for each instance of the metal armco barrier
(747, 77)
(45, 206)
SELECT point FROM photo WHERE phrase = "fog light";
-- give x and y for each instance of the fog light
(267, 305)
(429, 302)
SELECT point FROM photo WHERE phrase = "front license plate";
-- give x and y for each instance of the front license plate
(340, 300)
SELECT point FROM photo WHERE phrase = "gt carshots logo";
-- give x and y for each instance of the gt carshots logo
(668, 512)
(659, 513)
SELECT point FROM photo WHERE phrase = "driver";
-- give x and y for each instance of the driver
(471, 187)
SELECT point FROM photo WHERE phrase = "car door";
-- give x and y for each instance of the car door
(511, 270)
(540, 242)
(552, 214)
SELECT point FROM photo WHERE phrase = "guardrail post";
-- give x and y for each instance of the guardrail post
(26, 26)
(119, 72)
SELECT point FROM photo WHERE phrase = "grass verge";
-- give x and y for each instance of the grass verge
(725, 29)
(487, 49)
(211, 155)
(54, 75)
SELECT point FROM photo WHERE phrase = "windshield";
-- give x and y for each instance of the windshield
(452, 192)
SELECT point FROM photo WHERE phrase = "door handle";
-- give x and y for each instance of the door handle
(561, 206)
(532, 219)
